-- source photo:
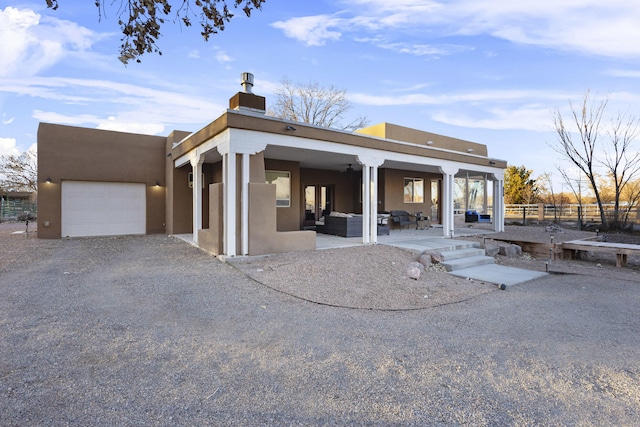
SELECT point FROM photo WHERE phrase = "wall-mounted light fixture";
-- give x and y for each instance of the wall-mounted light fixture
(492, 163)
(168, 154)
(48, 180)
(470, 150)
(429, 142)
(290, 128)
(157, 184)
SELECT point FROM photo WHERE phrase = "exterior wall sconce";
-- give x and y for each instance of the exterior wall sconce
(157, 184)
(470, 150)
(48, 180)
(429, 142)
(492, 163)
(290, 128)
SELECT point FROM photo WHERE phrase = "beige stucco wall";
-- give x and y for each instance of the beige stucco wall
(80, 154)
(393, 181)
(288, 219)
(211, 238)
(263, 237)
(178, 210)
(415, 136)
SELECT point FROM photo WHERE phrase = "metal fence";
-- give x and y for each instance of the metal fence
(590, 212)
(11, 209)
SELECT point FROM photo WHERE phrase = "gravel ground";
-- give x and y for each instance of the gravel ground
(152, 331)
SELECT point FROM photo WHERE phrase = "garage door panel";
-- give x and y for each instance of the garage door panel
(103, 208)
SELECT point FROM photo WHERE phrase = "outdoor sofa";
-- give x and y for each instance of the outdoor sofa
(474, 216)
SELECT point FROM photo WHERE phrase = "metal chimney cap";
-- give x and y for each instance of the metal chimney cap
(247, 82)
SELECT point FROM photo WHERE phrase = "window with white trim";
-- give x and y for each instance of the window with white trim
(282, 180)
(414, 190)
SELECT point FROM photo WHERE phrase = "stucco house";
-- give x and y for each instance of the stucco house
(251, 184)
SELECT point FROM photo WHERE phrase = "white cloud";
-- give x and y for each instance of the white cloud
(118, 124)
(623, 73)
(476, 97)
(8, 146)
(311, 30)
(603, 28)
(420, 49)
(30, 44)
(6, 120)
(53, 117)
(139, 109)
(222, 56)
(532, 118)
(589, 26)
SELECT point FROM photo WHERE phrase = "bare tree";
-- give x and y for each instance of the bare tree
(311, 103)
(617, 154)
(622, 162)
(631, 198)
(141, 20)
(575, 185)
(581, 153)
(19, 172)
(557, 200)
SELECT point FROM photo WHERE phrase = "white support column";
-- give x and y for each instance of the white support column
(448, 222)
(229, 150)
(373, 217)
(245, 203)
(485, 201)
(498, 205)
(370, 198)
(230, 203)
(366, 203)
(196, 168)
(228, 198)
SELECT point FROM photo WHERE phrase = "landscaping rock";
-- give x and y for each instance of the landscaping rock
(417, 265)
(436, 257)
(491, 249)
(511, 251)
(413, 273)
(425, 260)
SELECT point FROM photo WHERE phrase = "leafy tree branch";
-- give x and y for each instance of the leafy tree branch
(141, 20)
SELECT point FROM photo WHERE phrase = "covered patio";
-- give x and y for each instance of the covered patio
(259, 184)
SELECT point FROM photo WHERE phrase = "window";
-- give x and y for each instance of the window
(414, 190)
(282, 180)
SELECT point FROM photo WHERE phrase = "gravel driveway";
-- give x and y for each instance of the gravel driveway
(151, 331)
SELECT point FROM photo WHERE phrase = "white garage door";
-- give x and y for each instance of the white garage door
(103, 208)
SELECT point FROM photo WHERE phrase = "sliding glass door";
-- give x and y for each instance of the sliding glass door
(318, 202)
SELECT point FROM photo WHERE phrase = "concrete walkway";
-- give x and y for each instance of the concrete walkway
(499, 274)
(491, 273)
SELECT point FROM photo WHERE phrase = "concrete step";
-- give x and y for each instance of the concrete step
(461, 253)
(473, 261)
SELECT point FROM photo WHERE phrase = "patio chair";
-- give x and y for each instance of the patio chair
(402, 218)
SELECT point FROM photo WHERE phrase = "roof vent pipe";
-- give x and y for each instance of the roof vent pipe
(247, 82)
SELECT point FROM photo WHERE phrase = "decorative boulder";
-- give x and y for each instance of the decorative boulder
(425, 260)
(436, 257)
(511, 251)
(413, 273)
(417, 265)
(491, 249)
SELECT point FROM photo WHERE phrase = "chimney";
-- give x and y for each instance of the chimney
(247, 100)
(247, 82)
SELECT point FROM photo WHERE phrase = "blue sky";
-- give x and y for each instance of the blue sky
(489, 71)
